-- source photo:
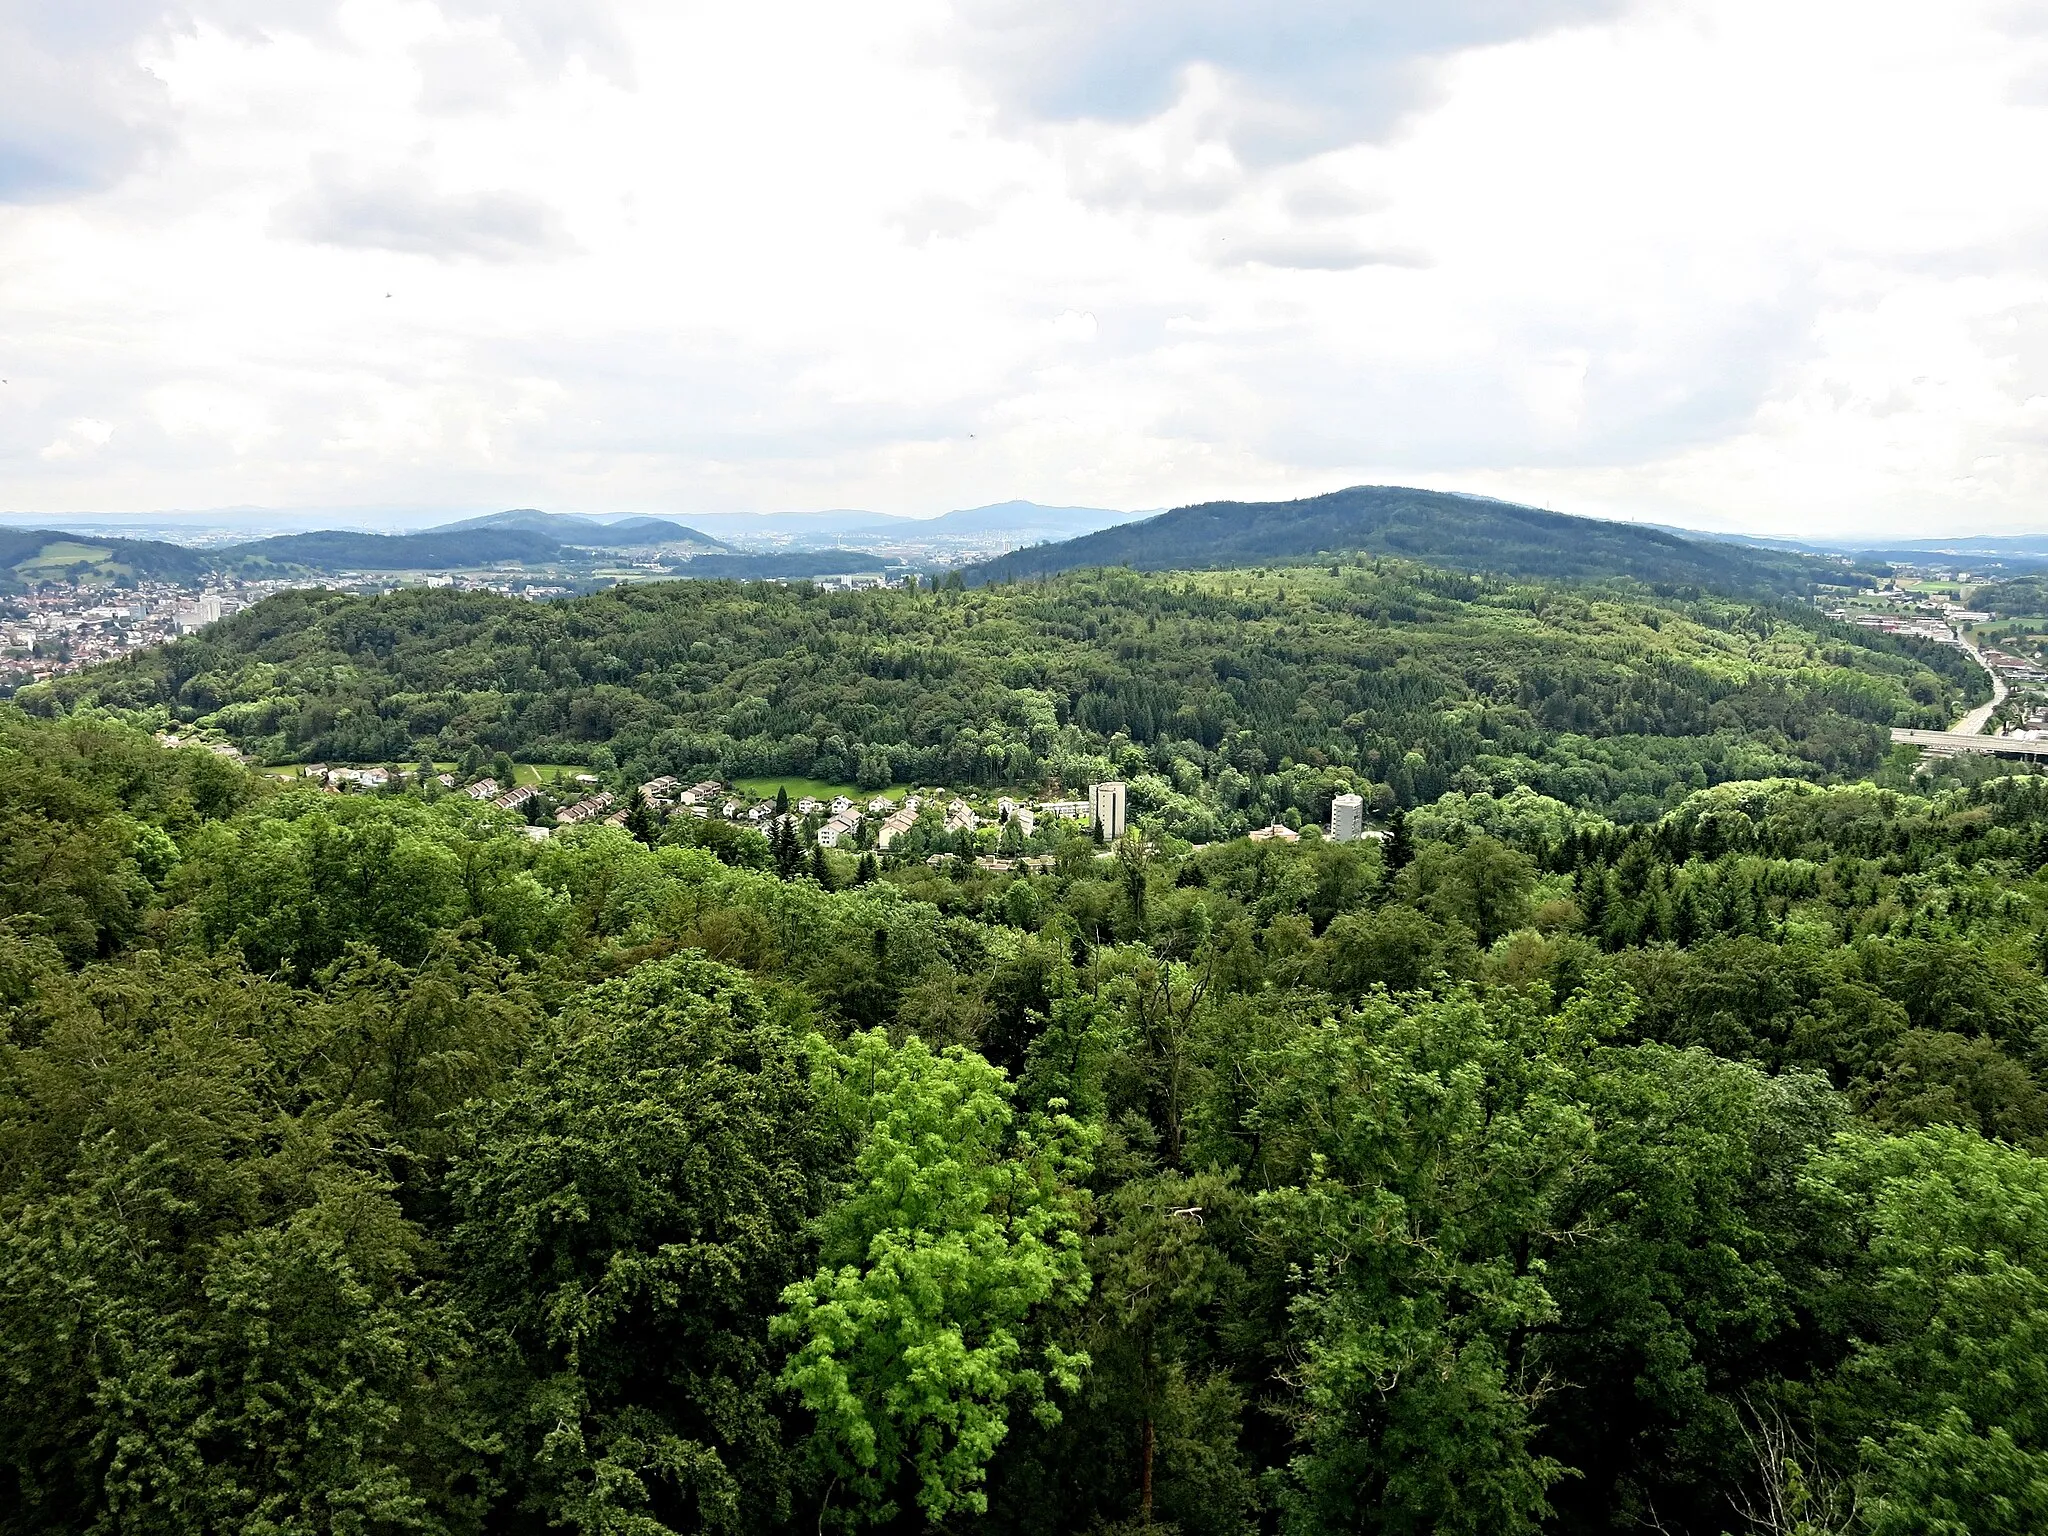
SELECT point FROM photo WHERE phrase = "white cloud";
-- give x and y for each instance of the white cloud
(81, 436)
(401, 210)
(1072, 325)
(1725, 261)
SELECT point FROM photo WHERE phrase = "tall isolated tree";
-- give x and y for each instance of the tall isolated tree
(640, 819)
(924, 1320)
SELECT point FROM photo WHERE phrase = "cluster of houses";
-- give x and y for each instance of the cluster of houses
(843, 816)
(1105, 806)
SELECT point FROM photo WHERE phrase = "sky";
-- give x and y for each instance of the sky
(1777, 267)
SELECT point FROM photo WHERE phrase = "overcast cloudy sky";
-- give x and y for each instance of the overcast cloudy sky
(1780, 266)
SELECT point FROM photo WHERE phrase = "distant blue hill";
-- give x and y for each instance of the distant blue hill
(1012, 517)
(587, 532)
(1024, 521)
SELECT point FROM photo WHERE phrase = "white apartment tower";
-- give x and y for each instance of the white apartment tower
(1347, 818)
(1106, 807)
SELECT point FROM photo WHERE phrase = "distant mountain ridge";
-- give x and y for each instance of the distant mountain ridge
(587, 532)
(489, 544)
(1994, 552)
(1441, 528)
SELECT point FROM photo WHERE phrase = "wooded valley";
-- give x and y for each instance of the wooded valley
(1645, 1134)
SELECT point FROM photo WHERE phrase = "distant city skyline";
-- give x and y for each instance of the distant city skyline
(1724, 264)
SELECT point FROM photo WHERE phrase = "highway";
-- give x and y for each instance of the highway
(1976, 719)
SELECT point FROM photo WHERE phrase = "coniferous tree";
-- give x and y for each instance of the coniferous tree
(1592, 900)
(1398, 851)
(1685, 918)
(640, 819)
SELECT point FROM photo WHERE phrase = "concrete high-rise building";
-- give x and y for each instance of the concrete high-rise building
(1106, 807)
(1347, 818)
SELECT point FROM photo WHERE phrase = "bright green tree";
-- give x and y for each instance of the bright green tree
(921, 1327)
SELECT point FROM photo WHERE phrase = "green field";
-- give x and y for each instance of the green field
(762, 789)
(61, 557)
(538, 773)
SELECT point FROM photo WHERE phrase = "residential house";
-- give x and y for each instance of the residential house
(898, 824)
(842, 826)
(583, 810)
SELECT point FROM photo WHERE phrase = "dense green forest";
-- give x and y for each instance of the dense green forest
(366, 1166)
(2017, 595)
(1437, 528)
(1227, 699)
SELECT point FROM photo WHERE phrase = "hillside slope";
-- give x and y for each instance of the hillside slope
(340, 550)
(1439, 528)
(29, 555)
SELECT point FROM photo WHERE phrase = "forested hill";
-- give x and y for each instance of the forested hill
(2026, 595)
(1466, 533)
(1226, 697)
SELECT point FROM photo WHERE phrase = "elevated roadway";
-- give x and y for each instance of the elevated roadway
(1952, 743)
(1965, 735)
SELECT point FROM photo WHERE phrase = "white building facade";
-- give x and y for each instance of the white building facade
(1106, 808)
(1347, 818)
